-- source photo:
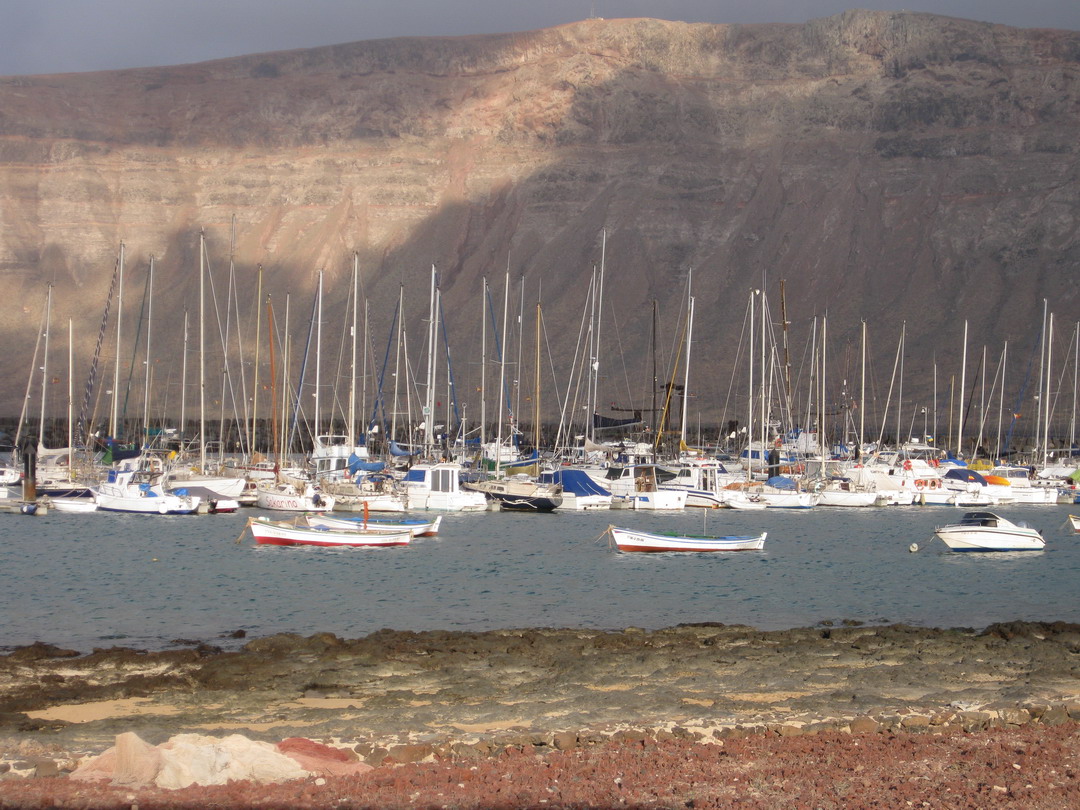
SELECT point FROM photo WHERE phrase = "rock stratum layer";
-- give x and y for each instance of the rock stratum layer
(893, 167)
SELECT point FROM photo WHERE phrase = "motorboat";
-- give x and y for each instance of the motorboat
(141, 491)
(438, 487)
(1074, 521)
(520, 494)
(650, 542)
(641, 486)
(986, 531)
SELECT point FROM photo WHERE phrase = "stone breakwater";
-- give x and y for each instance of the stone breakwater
(401, 697)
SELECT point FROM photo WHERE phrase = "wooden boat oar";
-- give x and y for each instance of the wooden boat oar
(243, 531)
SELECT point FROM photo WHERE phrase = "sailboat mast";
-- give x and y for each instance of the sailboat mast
(483, 364)
(1042, 372)
(596, 339)
(429, 393)
(900, 386)
(116, 369)
(45, 366)
(960, 410)
(1001, 400)
(1046, 396)
(183, 384)
(821, 376)
(862, 391)
(655, 379)
(202, 353)
(686, 371)
(149, 322)
(1076, 368)
(536, 384)
(784, 323)
(764, 425)
(318, 362)
(71, 396)
(502, 375)
(750, 394)
(397, 361)
(274, 447)
(255, 369)
(352, 364)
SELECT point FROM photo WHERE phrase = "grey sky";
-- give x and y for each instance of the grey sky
(56, 36)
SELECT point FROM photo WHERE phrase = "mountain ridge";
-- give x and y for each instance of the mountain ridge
(891, 166)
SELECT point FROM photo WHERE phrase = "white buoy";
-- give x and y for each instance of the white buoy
(913, 547)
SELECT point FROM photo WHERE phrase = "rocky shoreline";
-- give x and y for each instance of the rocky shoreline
(397, 697)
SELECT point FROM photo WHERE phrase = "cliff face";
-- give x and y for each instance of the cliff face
(891, 167)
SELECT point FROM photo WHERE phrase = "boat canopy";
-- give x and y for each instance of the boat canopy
(574, 482)
(357, 464)
(781, 482)
(965, 474)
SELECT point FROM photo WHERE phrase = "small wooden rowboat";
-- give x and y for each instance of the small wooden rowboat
(286, 533)
(420, 527)
(634, 540)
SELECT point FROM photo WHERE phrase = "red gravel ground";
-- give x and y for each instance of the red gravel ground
(1034, 766)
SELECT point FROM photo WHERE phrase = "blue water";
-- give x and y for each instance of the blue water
(99, 580)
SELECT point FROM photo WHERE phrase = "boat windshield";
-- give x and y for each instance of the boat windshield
(979, 519)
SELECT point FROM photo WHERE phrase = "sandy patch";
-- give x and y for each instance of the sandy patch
(483, 728)
(765, 697)
(102, 710)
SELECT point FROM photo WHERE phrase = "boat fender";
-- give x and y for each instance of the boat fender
(162, 508)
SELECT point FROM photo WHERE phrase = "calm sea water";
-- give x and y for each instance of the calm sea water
(100, 580)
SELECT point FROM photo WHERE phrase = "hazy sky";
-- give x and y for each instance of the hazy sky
(55, 36)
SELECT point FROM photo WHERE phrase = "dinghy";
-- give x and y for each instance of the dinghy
(636, 540)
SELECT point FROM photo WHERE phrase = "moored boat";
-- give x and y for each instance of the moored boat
(140, 491)
(641, 541)
(419, 527)
(986, 531)
(286, 497)
(520, 494)
(1074, 520)
(286, 533)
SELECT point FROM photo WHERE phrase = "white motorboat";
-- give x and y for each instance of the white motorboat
(986, 531)
(640, 486)
(1074, 521)
(141, 491)
(438, 487)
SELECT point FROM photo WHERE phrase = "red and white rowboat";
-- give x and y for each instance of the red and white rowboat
(285, 533)
(632, 540)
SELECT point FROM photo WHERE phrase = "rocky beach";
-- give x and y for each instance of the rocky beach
(693, 715)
